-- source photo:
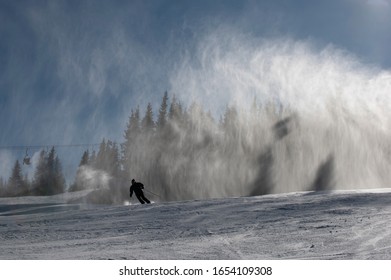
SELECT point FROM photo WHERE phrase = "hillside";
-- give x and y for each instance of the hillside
(324, 225)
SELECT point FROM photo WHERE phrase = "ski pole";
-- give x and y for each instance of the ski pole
(152, 193)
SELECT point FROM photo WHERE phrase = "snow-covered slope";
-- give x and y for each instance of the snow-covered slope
(335, 225)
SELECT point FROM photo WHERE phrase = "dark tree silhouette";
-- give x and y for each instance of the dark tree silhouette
(85, 159)
(3, 187)
(48, 177)
(17, 185)
(79, 184)
(40, 183)
(162, 117)
(56, 178)
(148, 124)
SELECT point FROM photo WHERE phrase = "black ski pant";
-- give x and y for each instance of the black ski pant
(142, 198)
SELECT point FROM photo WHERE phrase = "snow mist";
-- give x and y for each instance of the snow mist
(322, 122)
(293, 118)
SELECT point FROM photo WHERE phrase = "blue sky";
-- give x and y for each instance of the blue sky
(71, 71)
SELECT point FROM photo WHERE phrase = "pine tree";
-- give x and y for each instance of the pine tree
(55, 176)
(92, 159)
(59, 177)
(101, 156)
(16, 184)
(51, 162)
(136, 122)
(108, 158)
(131, 133)
(85, 159)
(147, 123)
(79, 183)
(133, 126)
(162, 118)
(40, 182)
(175, 112)
(27, 184)
(112, 164)
(48, 177)
(2, 187)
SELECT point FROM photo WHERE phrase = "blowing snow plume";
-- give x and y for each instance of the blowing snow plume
(322, 120)
(97, 182)
(292, 118)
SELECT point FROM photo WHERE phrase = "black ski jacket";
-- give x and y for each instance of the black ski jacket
(136, 188)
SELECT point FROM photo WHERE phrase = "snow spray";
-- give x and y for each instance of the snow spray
(322, 118)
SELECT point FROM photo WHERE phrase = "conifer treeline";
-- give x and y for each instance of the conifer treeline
(48, 178)
(182, 153)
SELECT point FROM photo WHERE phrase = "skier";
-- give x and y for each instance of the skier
(137, 188)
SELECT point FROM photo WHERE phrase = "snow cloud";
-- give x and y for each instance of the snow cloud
(91, 178)
(335, 110)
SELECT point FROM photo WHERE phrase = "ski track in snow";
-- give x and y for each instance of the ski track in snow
(334, 225)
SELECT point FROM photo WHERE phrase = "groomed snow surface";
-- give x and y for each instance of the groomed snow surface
(324, 225)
